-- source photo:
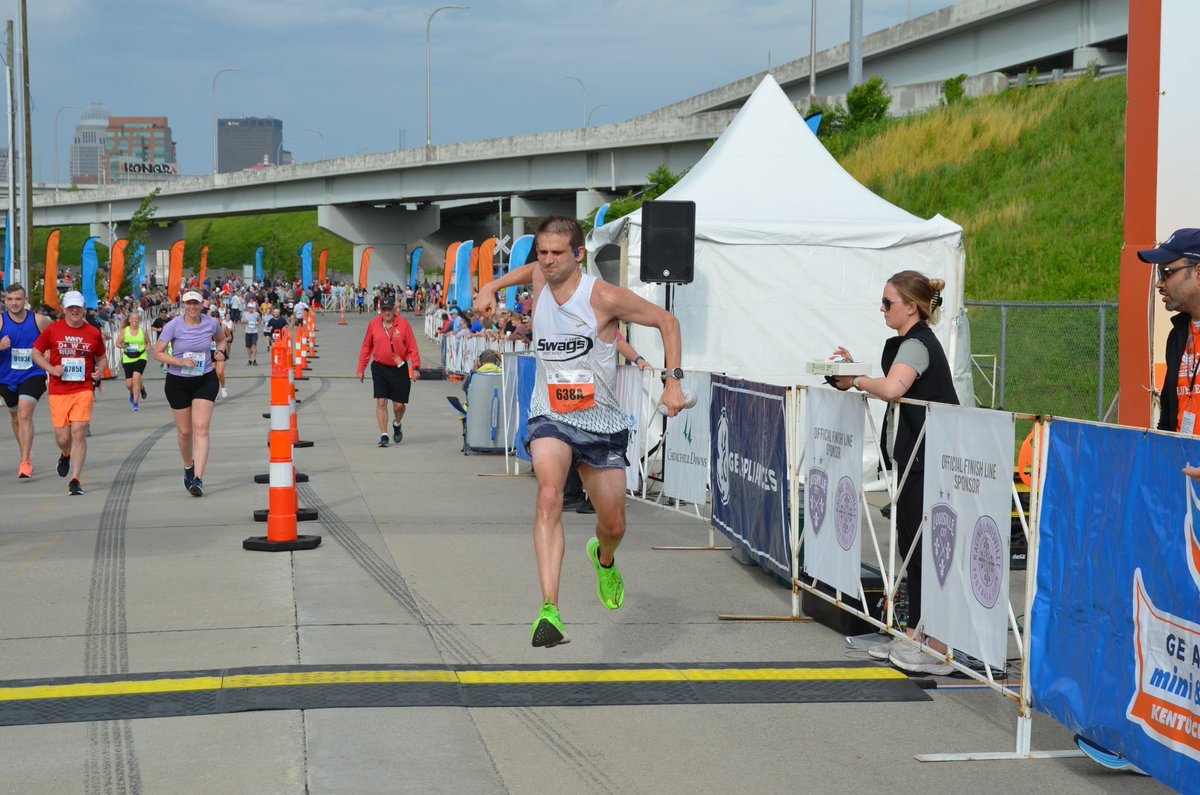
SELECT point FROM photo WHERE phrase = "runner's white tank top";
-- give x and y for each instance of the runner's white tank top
(566, 341)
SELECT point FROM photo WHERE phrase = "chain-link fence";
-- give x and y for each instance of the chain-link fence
(1052, 358)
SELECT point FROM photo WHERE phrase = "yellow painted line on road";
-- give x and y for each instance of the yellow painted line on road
(440, 676)
(38, 552)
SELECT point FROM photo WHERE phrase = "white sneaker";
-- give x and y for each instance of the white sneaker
(916, 661)
(882, 651)
(224, 393)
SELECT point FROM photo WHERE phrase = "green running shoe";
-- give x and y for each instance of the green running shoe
(548, 630)
(609, 585)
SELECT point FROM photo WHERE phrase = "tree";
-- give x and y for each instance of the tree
(867, 102)
(658, 182)
(276, 260)
(139, 237)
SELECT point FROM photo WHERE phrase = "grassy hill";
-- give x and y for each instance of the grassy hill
(1035, 176)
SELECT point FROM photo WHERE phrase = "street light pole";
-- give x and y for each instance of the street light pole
(214, 109)
(428, 25)
(585, 98)
(60, 110)
(324, 153)
(593, 110)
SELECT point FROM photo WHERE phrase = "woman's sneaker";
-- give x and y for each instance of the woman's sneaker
(882, 651)
(915, 660)
(197, 487)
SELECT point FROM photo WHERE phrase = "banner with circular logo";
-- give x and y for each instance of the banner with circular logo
(966, 528)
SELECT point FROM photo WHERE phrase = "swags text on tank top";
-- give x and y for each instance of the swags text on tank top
(573, 360)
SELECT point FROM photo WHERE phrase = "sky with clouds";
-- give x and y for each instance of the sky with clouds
(354, 70)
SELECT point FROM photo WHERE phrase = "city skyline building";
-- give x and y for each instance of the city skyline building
(138, 149)
(87, 146)
(249, 142)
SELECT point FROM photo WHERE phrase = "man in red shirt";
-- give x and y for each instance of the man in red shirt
(389, 346)
(69, 351)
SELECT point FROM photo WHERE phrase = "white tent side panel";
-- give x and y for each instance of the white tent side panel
(761, 312)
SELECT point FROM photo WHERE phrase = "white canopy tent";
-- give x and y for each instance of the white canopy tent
(792, 255)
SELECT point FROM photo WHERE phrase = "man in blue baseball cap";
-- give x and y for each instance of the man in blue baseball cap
(1175, 262)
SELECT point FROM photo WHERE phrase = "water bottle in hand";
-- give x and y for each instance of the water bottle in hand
(689, 400)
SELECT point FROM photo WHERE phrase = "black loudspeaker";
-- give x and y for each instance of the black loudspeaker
(668, 242)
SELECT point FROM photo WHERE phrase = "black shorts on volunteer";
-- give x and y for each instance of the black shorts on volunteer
(597, 450)
(251, 340)
(138, 366)
(181, 390)
(30, 389)
(391, 383)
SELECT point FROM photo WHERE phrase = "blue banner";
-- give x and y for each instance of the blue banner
(1115, 652)
(415, 274)
(520, 254)
(526, 377)
(601, 213)
(306, 265)
(462, 275)
(258, 269)
(748, 469)
(137, 264)
(91, 264)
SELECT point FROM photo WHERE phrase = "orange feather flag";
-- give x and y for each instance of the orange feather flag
(365, 267)
(203, 264)
(451, 257)
(50, 289)
(175, 277)
(116, 273)
(322, 259)
(487, 251)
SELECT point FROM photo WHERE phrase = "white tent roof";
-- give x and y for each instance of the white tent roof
(768, 180)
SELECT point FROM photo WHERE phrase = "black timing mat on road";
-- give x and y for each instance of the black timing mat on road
(159, 695)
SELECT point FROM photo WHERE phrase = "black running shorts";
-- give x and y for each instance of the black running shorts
(391, 383)
(181, 390)
(30, 389)
(138, 366)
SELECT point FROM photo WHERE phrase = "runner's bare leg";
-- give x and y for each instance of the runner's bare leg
(551, 460)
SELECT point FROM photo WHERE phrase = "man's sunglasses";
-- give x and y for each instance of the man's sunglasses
(1164, 272)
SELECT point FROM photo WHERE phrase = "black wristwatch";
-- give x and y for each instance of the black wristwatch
(677, 373)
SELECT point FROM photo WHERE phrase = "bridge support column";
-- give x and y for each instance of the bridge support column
(162, 237)
(387, 229)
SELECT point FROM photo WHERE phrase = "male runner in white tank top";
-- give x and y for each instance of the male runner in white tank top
(574, 414)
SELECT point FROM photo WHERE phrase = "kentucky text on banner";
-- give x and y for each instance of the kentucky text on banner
(748, 469)
(685, 475)
(1116, 620)
(833, 450)
(629, 395)
(967, 523)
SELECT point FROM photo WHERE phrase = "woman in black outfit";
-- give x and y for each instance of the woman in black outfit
(914, 366)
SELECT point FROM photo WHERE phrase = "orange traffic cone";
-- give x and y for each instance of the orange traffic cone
(294, 428)
(283, 514)
(343, 320)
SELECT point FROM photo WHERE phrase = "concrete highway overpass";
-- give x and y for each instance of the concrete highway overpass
(451, 192)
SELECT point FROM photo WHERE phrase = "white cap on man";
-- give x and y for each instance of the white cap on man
(72, 298)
